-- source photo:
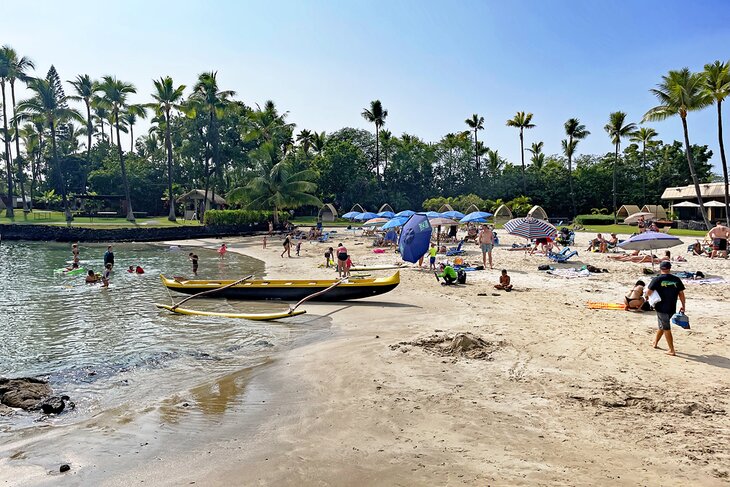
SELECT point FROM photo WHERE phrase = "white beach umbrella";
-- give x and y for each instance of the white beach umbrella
(634, 217)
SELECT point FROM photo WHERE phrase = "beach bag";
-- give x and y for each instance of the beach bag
(681, 320)
(461, 276)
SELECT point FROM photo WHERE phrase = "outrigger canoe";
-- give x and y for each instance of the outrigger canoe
(287, 290)
(245, 316)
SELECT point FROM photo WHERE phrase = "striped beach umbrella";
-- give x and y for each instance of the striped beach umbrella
(530, 228)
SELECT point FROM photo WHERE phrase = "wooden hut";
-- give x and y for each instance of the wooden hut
(193, 201)
(657, 210)
(537, 212)
(503, 214)
(626, 210)
(327, 213)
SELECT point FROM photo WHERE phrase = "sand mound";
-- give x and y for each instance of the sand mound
(465, 345)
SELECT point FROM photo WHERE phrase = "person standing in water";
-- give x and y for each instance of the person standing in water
(109, 257)
(106, 275)
(194, 260)
(75, 251)
(222, 250)
(287, 247)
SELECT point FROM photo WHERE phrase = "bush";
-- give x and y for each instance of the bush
(237, 217)
(594, 219)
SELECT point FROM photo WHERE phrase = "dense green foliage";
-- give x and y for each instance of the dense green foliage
(236, 217)
(594, 219)
(208, 139)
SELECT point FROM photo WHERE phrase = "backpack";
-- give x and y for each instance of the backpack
(461, 276)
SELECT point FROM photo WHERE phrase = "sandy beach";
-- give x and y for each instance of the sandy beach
(561, 395)
(558, 394)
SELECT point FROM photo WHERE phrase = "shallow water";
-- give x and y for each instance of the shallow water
(111, 348)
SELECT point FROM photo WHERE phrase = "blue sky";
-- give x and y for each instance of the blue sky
(432, 64)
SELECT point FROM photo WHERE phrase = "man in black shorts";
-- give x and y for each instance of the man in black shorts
(669, 287)
(719, 235)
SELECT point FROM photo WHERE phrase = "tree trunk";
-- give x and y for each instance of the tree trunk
(127, 195)
(9, 212)
(111, 133)
(168, 146)
(103, 134)
(522, 155)
(615, 164)
(90, 132)
(570, 177)
(691, 163)
(207, 166)
(19, 159)
(131, 138)
(643, 172)
(377, 152)
(724, 162)
(62, 178)
(476, 149)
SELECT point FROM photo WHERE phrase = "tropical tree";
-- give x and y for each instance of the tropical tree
(475, 123)
(576, 132)
(116, 95)
(101, 111)
(50, 103)
(377, 115)
(84, 89)
(538, 157)
(644, 136)
(679, 93)
(386, 138)
(167, 97)
(318, 141)
(717, 87)
(522, 121)
(277, 187)
(129, 117)
(617, 129)
(305, 138)
(6, 62)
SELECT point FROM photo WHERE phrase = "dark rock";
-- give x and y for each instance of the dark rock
(25, 393)
(64, 468)
(54, 404)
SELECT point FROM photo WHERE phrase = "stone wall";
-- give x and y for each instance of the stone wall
(139, 234)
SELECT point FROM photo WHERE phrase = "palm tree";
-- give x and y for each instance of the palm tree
(522, 121)
(476, 123)
(115, 94)
(167, 97)
(377, 115)
(49, 102)
(319, 139)
(538, 157)
(495, 163)
(643, 136)
(277, 187)
(129, 117)
(717, 86)
(33, 143)
(386, 138)
(6, 61)
(212, 102)
(576, 132)
(305, 138)
(617, 128)
(85, 87)
(679, 93)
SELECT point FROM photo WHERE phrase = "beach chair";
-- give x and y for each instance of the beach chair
(324, 238)
(563, 256)
(456, 250)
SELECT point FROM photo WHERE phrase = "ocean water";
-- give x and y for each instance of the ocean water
(111, 349)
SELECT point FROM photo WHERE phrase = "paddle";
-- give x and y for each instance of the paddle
(314, 295)
(211, 291)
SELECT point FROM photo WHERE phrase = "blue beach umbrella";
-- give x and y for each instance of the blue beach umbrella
(650, 241)
(453, 214)
(476, 217)
(415, 238)
(368, 215)
(405, 213)
(430, 214)
(398, 221)
(350, 214)
(386, 214)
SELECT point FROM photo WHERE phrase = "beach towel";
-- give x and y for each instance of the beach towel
(708, 280)
(602, 305)
(569, 273)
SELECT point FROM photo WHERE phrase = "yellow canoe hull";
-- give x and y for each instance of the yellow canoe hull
(244, 316)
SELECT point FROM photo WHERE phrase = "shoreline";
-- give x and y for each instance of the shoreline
(564, 395)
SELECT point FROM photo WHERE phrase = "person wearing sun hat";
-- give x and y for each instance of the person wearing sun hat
(669, 288)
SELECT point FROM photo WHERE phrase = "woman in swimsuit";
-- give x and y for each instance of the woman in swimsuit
(341, 259)
(635, 299)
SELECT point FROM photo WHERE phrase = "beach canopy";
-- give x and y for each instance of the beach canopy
(405, 213)
(386, 214)
(634, 217)
(415, 238)
(430, 214)
(650, 241)
(350, 214)
(712, 204)
(456, 215)
(368, 215)
(375, 222)
(475, 217)
(688, 204)
(442, 222)
(530, 228)
(398, 221)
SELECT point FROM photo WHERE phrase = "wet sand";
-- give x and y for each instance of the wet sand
(559, 395)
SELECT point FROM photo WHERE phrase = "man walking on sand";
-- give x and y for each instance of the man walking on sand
(486, 242)
(719, 235)
(669, 287)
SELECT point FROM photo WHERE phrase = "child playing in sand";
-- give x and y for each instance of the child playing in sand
(504, 282)
(348, 265)
(299, 247)
(264, 242)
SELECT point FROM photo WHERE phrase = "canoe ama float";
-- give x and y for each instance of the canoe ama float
(245, 316)
(287, 290)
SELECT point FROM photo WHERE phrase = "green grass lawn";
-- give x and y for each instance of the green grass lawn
(628, 229)
(41, 217)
